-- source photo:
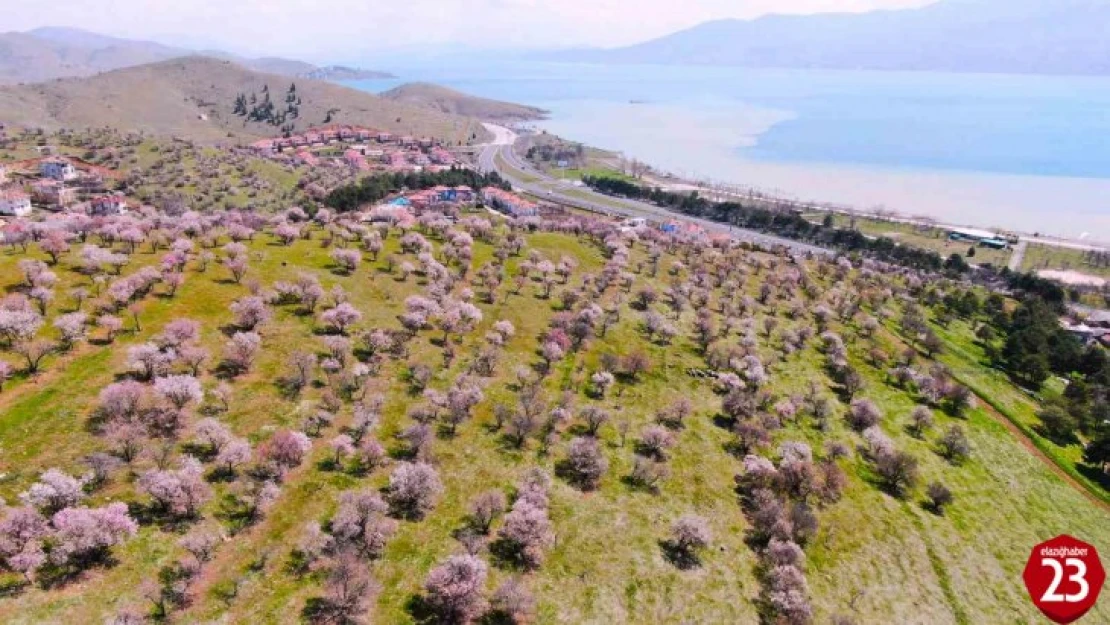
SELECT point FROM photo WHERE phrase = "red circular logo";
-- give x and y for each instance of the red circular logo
(1063, 577)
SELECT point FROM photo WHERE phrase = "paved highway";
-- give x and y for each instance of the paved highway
(527, 179)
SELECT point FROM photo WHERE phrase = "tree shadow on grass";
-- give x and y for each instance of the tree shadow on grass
(678, 557)
(421, 612)
(1095, 474)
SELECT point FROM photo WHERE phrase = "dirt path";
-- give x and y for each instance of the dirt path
(1018, 256)
(1021, 437)
(1033, 449)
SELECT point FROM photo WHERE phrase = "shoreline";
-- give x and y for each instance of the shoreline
(722, 191)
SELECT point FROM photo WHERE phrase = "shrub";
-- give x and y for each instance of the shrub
(513, 602)
(954, 445)
(862, 414)
(655, 441)
(898, 471)
(485, 508)
(921, 421)
(939, 497)
(690, 534)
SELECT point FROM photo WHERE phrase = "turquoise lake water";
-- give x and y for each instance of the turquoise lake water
(1022, 152)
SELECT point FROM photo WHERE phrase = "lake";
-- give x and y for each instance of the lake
(1028, 153)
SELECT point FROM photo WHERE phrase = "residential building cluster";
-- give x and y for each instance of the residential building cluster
(362, 149)
(56, 183)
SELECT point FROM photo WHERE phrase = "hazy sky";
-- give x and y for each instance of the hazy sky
(350, 29)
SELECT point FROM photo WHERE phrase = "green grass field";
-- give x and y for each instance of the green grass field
(932, 239)
(875, 558)
(1038, 257)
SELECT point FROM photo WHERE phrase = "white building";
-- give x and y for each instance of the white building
(3, 174)
(14, 203)
(58, 169)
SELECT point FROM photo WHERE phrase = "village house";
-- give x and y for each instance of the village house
(264, 147)
(52, 193)
(57, 169)
(423, 199)
(463, 193)
(113, 204)
(356, 160)
(384, 137)
(3, 174)
(509, 203)
(14, 203)
(441, 156)
(305, 157)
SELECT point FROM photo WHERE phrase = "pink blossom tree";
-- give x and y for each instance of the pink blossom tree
(53, 491)
(361, 523)
(414, 489)
(585, 463)
(179, 390)
(287, 449)
(346, 260)
(71, 327)
(454, 589)
(241, 350)
(179, 492)
(250, 312)
(82, 535)
(341, 317)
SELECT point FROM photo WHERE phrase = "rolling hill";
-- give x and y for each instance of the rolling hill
(55, 52)
(194, 97)
(454, 102)
(1006, 36)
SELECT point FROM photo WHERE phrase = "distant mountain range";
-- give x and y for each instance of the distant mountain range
(1005, 36)
(53, 52)
(341, 72)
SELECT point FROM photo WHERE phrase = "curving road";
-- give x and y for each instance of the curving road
(499, 156)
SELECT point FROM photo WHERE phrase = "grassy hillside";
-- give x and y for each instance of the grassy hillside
(194, 98)
(446, 100)
(874, 558)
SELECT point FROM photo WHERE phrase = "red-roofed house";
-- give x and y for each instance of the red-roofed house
(307, 158)
(113, 204)
(263, 147)
(509, 203)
